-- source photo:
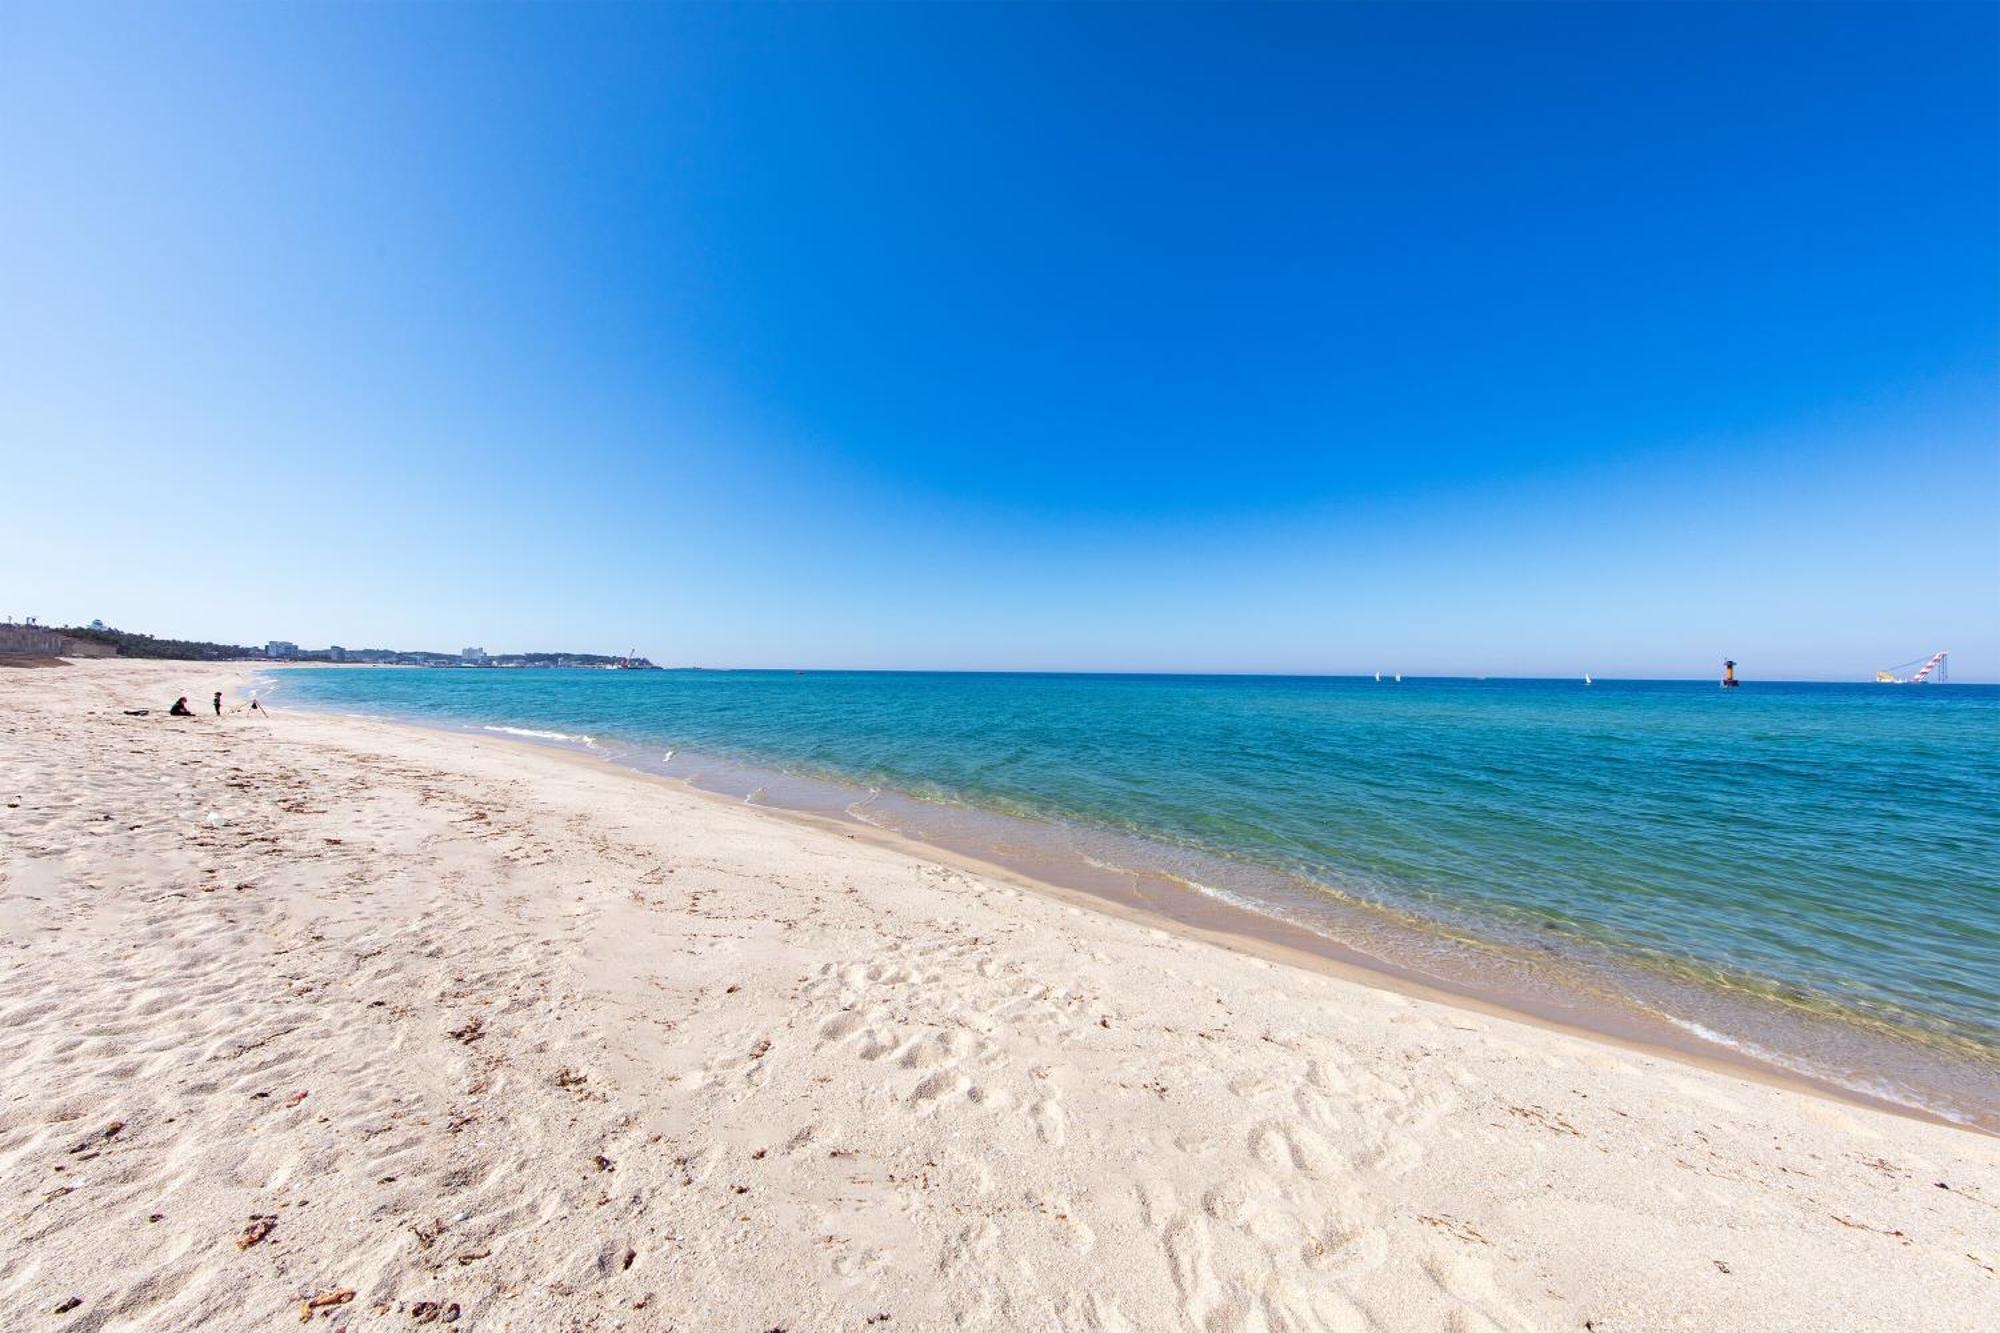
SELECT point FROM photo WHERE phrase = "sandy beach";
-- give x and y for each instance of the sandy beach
(329, 1020)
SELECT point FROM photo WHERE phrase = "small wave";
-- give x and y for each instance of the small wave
(1269, 911)
(1879, 1089)
(667, 758)
(1709, 1034)
(1187, 882)
(532, 734)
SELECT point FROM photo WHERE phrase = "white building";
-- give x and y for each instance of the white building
(281, 649)
(472, 655)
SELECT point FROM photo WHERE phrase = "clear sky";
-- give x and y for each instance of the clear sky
(1482, 340)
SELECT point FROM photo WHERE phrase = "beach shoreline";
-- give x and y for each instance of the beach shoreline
(483, 1024)
(1160, 899)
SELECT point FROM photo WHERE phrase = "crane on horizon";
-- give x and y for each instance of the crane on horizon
(1935, 667)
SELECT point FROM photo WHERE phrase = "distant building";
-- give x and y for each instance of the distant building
(472, 655)
(281, 650)
(97, 625)
(336, 654)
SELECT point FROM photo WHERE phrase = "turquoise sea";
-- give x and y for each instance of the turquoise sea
(1803, 874)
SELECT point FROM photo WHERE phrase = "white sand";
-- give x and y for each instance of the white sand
(569, 1048)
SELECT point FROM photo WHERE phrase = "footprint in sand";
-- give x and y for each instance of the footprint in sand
(1283, 1147)
(942, 1087)
(1050, 1122)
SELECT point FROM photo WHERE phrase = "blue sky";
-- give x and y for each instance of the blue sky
(1489, 340)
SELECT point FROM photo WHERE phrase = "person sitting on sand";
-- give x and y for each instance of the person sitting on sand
(218, 703)
(180, 708)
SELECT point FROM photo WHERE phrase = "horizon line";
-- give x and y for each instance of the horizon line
(1407, 676)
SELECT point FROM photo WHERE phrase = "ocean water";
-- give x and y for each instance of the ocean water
(1806, 874)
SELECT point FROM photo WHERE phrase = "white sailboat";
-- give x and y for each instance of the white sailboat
(1587, 680)
(1399, 678)
(1378, 678)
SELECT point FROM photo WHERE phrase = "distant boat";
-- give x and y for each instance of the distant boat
(1378, 678)
(1587, 680)
(1399, 678)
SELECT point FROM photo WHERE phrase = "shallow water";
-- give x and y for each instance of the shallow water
(1807, 872)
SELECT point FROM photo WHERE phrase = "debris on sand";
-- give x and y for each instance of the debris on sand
(110, 1132)
(68, 1305)
(1863, 1226)
(260, 1227)
(474, 1029)
(322, 1301)
(296, 1098)
(431, 1312)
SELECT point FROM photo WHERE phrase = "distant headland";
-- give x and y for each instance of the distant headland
(100, 640)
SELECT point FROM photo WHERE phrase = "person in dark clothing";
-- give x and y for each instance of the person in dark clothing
(180, 708)
(218, 703)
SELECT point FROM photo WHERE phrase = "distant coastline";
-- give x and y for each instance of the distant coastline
(126, 643)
